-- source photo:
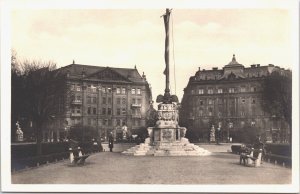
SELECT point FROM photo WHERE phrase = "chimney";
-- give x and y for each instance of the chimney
(252, 66)
(258, 65)
(198, 68)
(214, 68)
(271, 65)
(83, 72)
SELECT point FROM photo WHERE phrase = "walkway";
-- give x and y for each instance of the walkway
(114, 168)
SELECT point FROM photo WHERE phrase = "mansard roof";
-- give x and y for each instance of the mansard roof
(93, 72)
(235, 70)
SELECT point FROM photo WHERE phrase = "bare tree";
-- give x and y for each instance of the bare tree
(40, 85)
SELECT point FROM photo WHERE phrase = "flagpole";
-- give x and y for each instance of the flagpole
(166, 21)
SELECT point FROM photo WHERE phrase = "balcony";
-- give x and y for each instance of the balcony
(76, 102)
(136, 105)
(75, 114)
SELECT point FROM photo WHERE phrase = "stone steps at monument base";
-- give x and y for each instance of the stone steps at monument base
(170, 150)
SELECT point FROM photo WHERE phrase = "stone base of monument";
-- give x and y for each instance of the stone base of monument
(175, 148)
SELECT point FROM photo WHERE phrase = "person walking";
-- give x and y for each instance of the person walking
(110, 142)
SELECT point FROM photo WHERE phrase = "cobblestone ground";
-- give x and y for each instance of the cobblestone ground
(221, 167)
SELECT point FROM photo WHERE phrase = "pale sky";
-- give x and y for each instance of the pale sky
(203, 38)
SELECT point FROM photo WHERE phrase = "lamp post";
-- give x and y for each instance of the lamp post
(98, 111)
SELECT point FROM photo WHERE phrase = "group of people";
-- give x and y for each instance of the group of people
(257, 145)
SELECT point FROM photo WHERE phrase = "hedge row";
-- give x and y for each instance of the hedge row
(24, 155)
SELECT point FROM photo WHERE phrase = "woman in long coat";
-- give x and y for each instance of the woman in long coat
(110, 142)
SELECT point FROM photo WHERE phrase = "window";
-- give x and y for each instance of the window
(109, 122)
(89, 88)
(253, 101)
(201, 102)
(109, 111)
(243, 100)
(242, 123)
(133, 100)
(118, 100)
(139, 101)
(109, 100)
(94, 111)
(118, 111)
(118, 91)
(192, 91)
(123, 91)
(124, 101)
(138, 91)
(104, 100)
(242, 113)
(89, 99)
(231, 90)
(210, 110)
(200, 113)
(108, 90)
(210, 101)
(94, 100)
(201, 91)
(78, 88)
(252, 123)
(118, 122)
(219, 114)
(103, 90)
(73, 87)
(89, 111)
(103, 111)
(220, 101)
(220, 90)
(78, 111)
(243, 89)
(253, 89)
(133, 91)
(123, 111)
(93, 88)
(104, 121)
(210, 91)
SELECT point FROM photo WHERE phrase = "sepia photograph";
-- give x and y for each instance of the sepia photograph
(136, 96)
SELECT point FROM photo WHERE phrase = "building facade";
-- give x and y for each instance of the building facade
(105, 99)
(230, 99)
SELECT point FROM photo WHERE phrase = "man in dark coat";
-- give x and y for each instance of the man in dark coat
(110, 142)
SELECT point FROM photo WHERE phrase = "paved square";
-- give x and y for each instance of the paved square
(115, 168)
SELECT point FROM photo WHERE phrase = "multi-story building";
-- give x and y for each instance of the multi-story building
(105, 98)
(230, 99)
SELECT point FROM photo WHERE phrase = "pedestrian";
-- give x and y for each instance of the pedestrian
(258, 145)
(110, 142)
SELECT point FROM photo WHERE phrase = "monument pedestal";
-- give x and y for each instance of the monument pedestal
(167, 138)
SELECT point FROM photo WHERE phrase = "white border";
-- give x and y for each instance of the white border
(7, 6)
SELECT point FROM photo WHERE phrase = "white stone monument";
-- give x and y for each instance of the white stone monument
(167, 138)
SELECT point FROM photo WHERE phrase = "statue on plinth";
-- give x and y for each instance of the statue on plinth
(19, 132)
(212, 137)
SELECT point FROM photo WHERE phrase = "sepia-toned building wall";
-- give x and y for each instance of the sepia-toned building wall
(230, 99)
(104, 98)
